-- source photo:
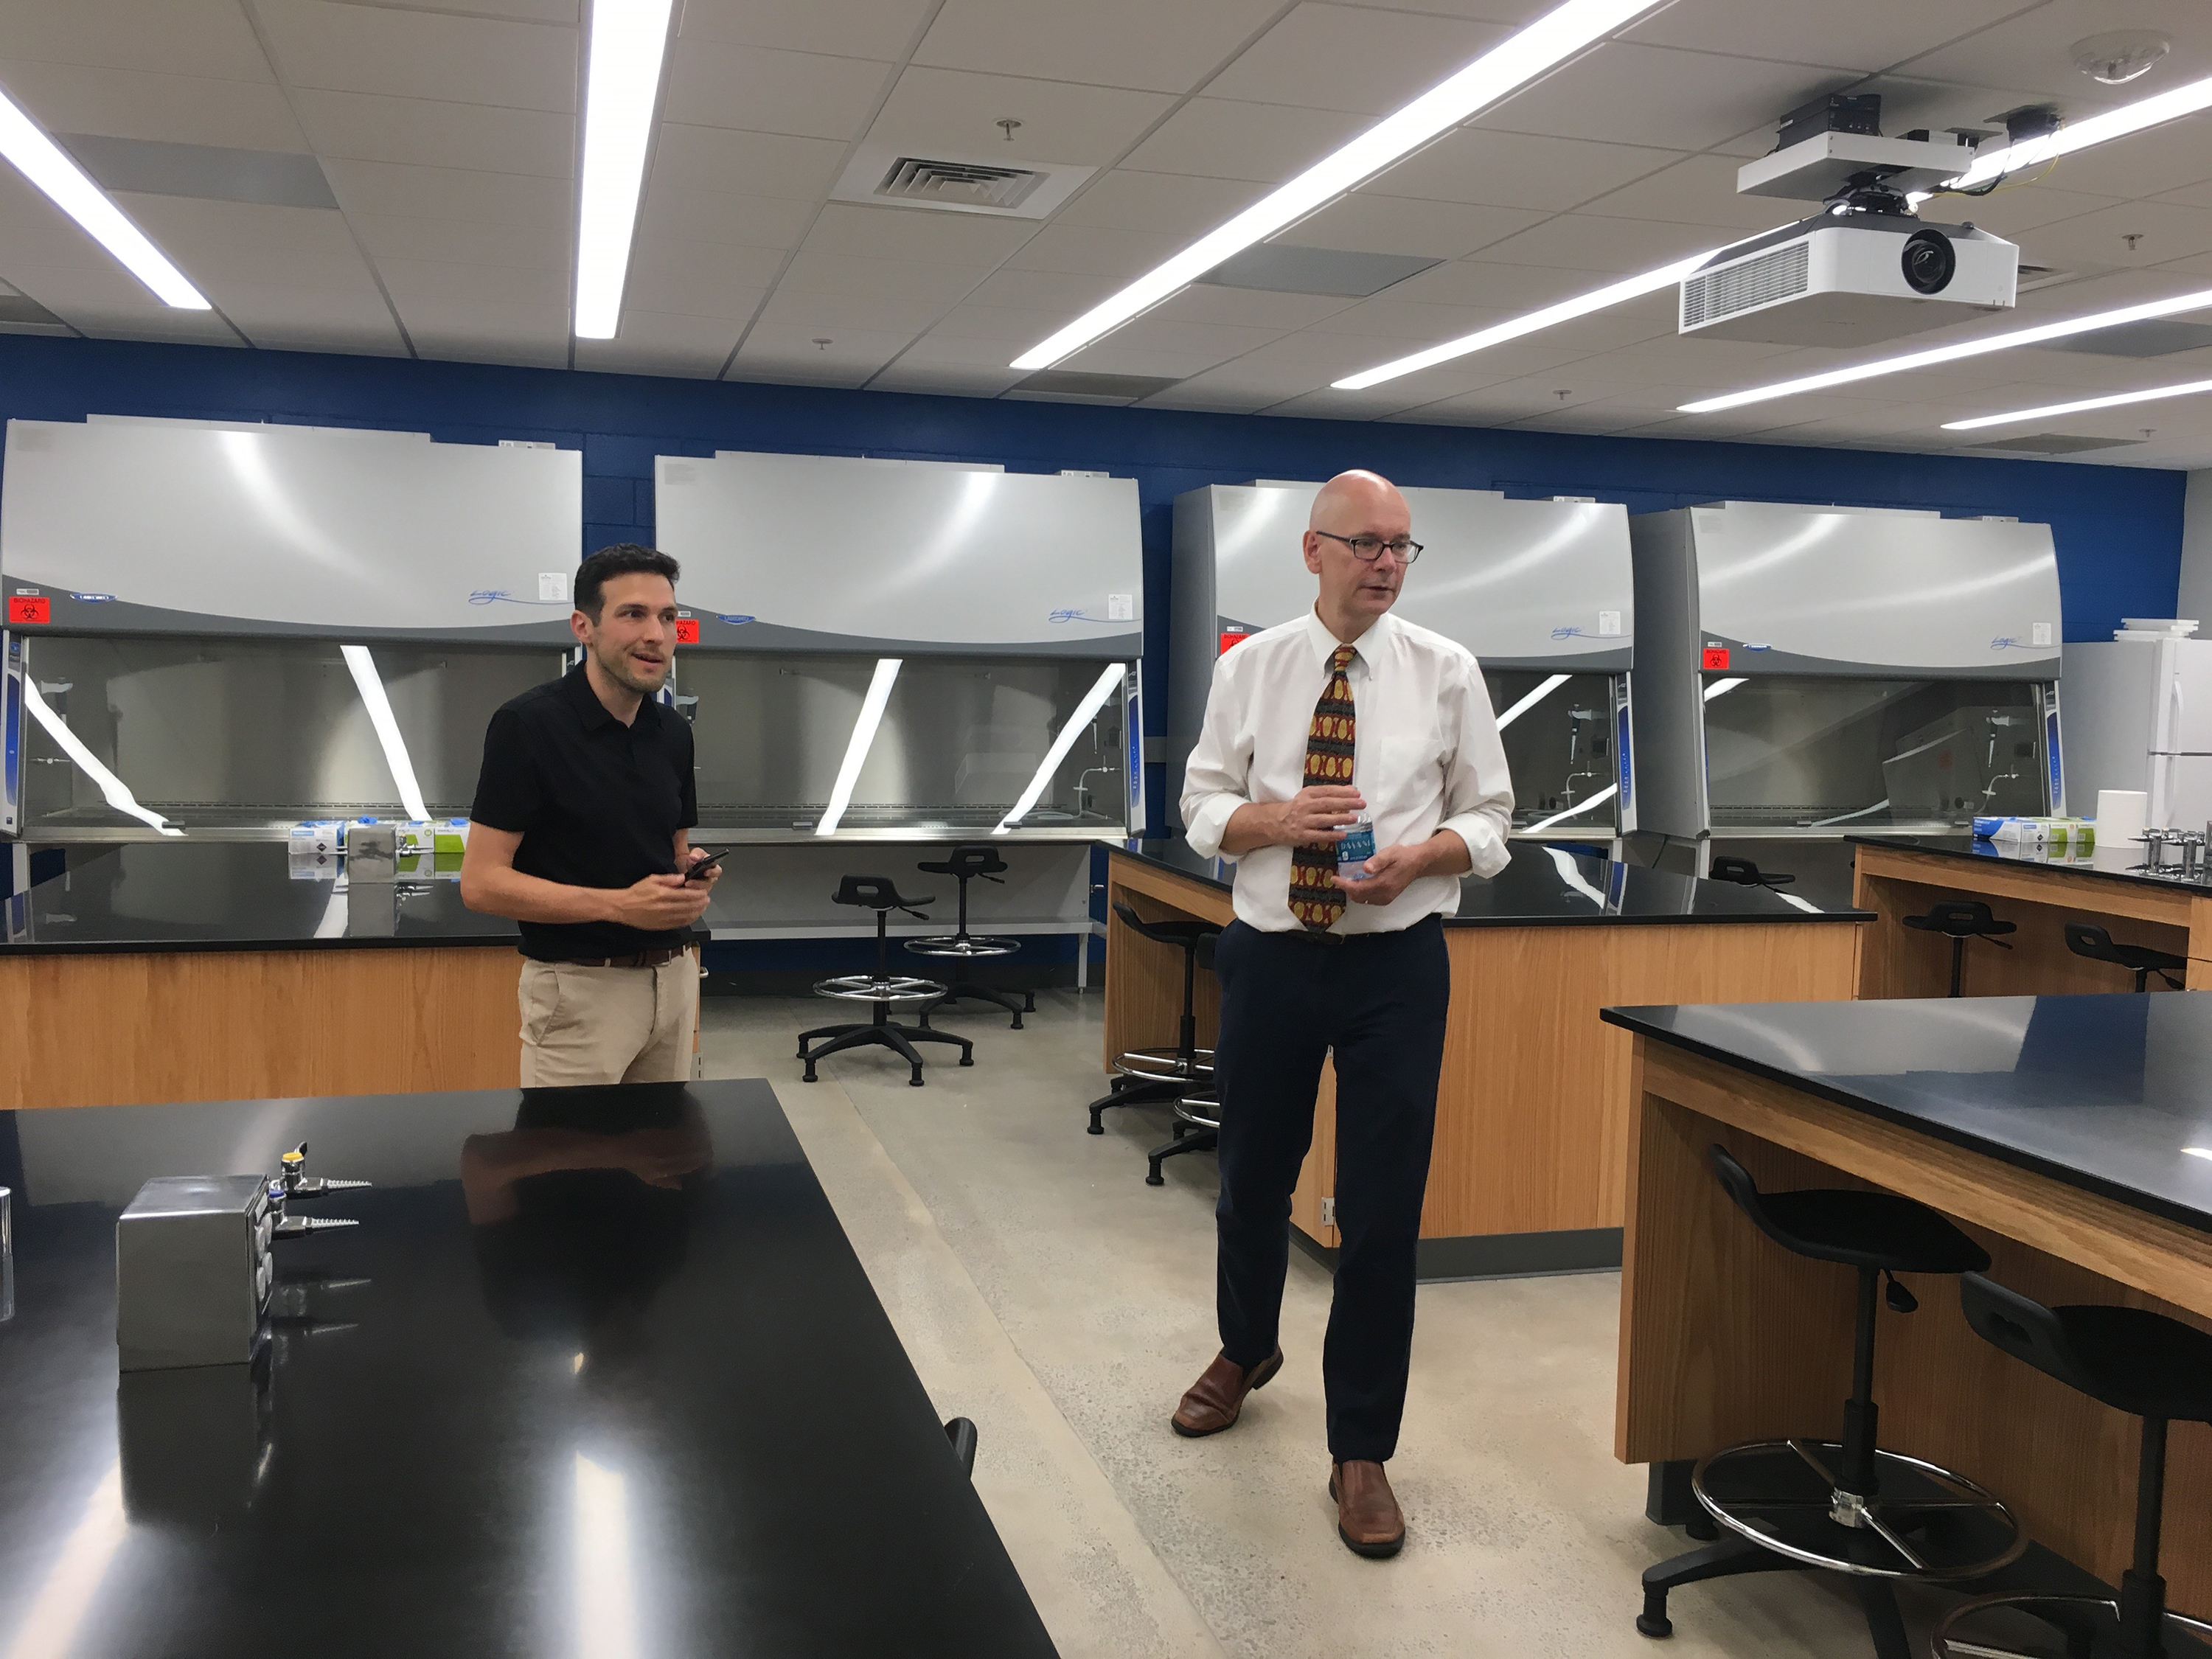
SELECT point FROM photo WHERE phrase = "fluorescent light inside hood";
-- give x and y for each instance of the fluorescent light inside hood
(1085, 712)
(371, 687)
(1543, 46)
(112, 789)
(622, 85)
(857, 745)
(43, 161)
(2195, 300)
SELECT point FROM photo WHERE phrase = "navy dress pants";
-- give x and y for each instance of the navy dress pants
(1378, 1000)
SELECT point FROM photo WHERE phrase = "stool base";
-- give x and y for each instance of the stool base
(821, 1043)
(1016, 1003)
(2072, 1628)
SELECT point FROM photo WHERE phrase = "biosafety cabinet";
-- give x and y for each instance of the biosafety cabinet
(1540, 590)
(1806, 673)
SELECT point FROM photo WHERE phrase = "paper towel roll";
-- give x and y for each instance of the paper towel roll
(2119, 816)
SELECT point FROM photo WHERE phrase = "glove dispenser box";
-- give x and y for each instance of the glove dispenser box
(192, 1272)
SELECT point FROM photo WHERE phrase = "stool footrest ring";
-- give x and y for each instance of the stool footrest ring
(1164, 1064)
(868, 988)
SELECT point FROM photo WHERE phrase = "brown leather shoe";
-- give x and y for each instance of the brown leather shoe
(1367, 1517)
(1212, 1403)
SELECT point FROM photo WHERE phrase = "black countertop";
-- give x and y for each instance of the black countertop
(1551, 887)
(234, 895)
(2108, 1093)
(532, 1405)
(2111, 863)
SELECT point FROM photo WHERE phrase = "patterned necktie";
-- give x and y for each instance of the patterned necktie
(1314, 900)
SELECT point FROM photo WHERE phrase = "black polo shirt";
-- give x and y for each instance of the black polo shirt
(597, 804)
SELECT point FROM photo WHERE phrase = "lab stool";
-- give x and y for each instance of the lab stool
(882, 988)
(1744, 873)
(1960, 920)
(2135, 1361)
(2086, 939)
(1844, 1505)
(1152, 1077)
(1197, 1129)
(961, 947)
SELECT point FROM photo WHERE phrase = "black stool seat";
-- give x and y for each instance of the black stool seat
(1858, 1229)
(1173, 930)
(882, 988)
(1959, 921)
(964, 864)
(2133, 1360)
(1163, 1075)
(2085, 939)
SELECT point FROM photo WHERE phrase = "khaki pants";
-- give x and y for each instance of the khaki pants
(582, 1025)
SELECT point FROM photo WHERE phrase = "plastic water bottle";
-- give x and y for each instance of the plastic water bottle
(1354, 850)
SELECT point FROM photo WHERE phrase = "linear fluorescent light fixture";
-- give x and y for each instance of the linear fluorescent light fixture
(857, 746)
(1722, 688)
(2195, 300)
(2169, 106)
(1598, 799)
(1543, 46)
(371, 687)
(2198, 1152)
(622, 85)
(1531, 701)
(1093, 701)
(45, 164)
(112, 789)
(2187, 389)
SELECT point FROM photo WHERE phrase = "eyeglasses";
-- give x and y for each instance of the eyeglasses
(1367, 549)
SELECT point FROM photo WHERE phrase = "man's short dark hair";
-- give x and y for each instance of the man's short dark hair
(623, 559)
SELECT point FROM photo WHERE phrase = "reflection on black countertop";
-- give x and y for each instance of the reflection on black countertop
(1547, 885)
(598, 1373)
(2116, 863)
(233, 895)
(2110, 1093)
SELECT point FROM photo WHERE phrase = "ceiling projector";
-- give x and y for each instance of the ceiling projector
(1866, 268)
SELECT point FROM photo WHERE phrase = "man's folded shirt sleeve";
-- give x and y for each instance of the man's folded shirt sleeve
(1478, 786)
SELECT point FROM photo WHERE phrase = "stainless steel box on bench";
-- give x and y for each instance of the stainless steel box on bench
(192, 1272)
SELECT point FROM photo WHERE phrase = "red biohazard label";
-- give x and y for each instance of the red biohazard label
(1232, 638)
(1716, 658)
(687, 631)
(26, 610)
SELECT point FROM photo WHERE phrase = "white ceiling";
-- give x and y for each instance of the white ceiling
(447, 132)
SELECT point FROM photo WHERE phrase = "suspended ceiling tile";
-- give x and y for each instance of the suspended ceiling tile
(837, 273)
(1631, 94)
(460, 241)
(1701, 190)
(366, 127)
(939, 238)
(944, 350)
(293, 317)
(1203, 302)
(100, 322)
(1066, 294)
(881, 29)
(2162, 231)
(1320, 357)
(1084, 251)
(957, 111)
(778, 352)
(130, 103)
(1198, 397)
(393, 191)
(1217, 342)
(207, 38)
(411, 279)
(2015, 212)
(1395, 224)
(1164, 45)
(803, 93)
(487, 330)
(838, 314)
(2176, 156)
(1518, 14)
(945, 380)
(253, 242)
(1343, 57)
(1003, 332)
(662, 343)
(422, 54)
(1867, 34)
(1110, 357)
(1216, 138)
(1512, 288)
(1385, 317)
(1325, 403)
(724, 159)
(1517, 169)
(1582, 241)
(701, 279)
(1161, 203)
(671, 213)
(2034, 51)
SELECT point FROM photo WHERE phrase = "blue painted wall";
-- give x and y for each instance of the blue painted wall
(2118, 529)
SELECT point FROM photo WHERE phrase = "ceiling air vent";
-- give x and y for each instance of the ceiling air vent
(957, 183)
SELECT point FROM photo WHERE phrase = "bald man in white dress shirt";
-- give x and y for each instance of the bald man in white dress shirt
(1346, 714)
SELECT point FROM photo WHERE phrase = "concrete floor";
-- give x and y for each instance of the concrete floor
(1045, 1291)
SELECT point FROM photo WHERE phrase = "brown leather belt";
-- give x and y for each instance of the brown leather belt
(643, 959)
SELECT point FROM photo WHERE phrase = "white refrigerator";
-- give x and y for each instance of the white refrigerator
(2139, 716)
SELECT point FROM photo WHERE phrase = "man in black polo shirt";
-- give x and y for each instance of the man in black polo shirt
(581, 832)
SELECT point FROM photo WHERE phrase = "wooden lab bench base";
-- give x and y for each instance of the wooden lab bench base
(1531, 1138)
(1903, 961)
(1726, 1337)
(147, 1029)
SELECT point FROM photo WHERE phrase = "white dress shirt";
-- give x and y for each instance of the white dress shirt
(1427, 757)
